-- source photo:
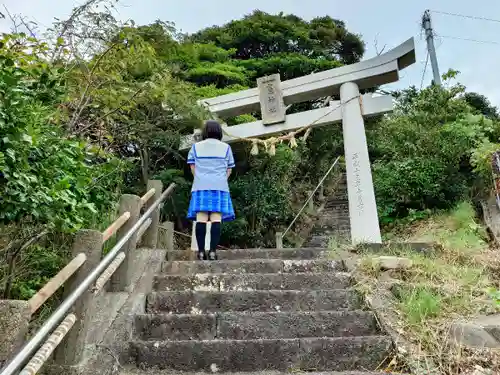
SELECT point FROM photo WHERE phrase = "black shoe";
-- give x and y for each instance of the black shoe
(200, 232)
(214, 240)
(212, 255)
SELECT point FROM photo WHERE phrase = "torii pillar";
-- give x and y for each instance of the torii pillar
(272, 96)
(363, 213)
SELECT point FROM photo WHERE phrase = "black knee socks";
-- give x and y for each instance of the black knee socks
(200, 232)
(215, 235)
(214, 239)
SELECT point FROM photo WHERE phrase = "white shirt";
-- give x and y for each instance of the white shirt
(211, 158)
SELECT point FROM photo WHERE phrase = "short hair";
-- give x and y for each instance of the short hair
(212, 129)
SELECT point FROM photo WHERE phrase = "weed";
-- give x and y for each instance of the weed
(419, 304)
(454, 282)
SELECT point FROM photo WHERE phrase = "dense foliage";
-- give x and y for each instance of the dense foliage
(49, 183)
(432, 151)
(96, 108)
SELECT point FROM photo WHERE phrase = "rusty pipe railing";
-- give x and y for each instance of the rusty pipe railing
(41, 356)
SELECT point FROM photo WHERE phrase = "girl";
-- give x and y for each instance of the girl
(211, 161)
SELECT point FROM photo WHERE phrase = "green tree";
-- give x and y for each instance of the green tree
(482, 105)
(48, 183)
(422, 152)
(260, 35)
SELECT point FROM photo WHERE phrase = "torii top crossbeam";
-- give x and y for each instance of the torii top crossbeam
(365, 74)
(373, 72)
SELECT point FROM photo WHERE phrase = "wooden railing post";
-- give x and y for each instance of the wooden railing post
(90, 243)
(150, 237)
(279, 240)
(122, 278)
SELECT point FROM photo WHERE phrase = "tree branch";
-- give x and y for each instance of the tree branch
(12, 19)
(375, 43)
(25, 24)
(12, 261)
(66, 24)
(143, 153)
(81, 105)
(79, 131)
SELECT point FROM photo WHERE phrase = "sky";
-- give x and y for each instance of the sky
(383, 23)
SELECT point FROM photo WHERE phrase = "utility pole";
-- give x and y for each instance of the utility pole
(429, 36)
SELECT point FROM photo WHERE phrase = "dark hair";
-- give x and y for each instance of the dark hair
(212, 129)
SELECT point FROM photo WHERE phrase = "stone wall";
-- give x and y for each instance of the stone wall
(14, 320)
(491, 217)
(113, 314)
(333, 220)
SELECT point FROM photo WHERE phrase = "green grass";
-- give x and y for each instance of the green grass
(455, 281)
(457, 229)
(418, 304)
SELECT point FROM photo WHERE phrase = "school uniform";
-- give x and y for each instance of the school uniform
(210, 192)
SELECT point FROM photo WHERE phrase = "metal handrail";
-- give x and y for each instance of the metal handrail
(309, 198)
(55, 319)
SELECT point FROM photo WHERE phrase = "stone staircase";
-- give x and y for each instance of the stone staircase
(333, 221)
(256, 310)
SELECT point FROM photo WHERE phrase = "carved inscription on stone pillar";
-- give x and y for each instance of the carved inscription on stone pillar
(271, 99)
(357, 184)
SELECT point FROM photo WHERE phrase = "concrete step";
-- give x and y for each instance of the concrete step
(338, 201)
(252, 266)
(250, 326)
(332, 230)
(325, 224)
(252, 281)
(189, 302)
(313, 354)
(341, 201)
(327, 230)
(136, 371)
(319, 241)
(334, 234)
(305, 253)
(324, 240)
(336, 216)
(342, 211)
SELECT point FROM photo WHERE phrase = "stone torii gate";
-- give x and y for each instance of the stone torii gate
(272, 96)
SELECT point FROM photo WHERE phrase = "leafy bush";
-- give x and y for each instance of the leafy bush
(46, 178)
(427, 150)
(49, 183)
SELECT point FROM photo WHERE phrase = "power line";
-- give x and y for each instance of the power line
(467, 39)
(466, 16)
(438, 40)
(425, 69)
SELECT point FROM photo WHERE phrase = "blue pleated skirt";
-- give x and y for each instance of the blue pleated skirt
(211, 201)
